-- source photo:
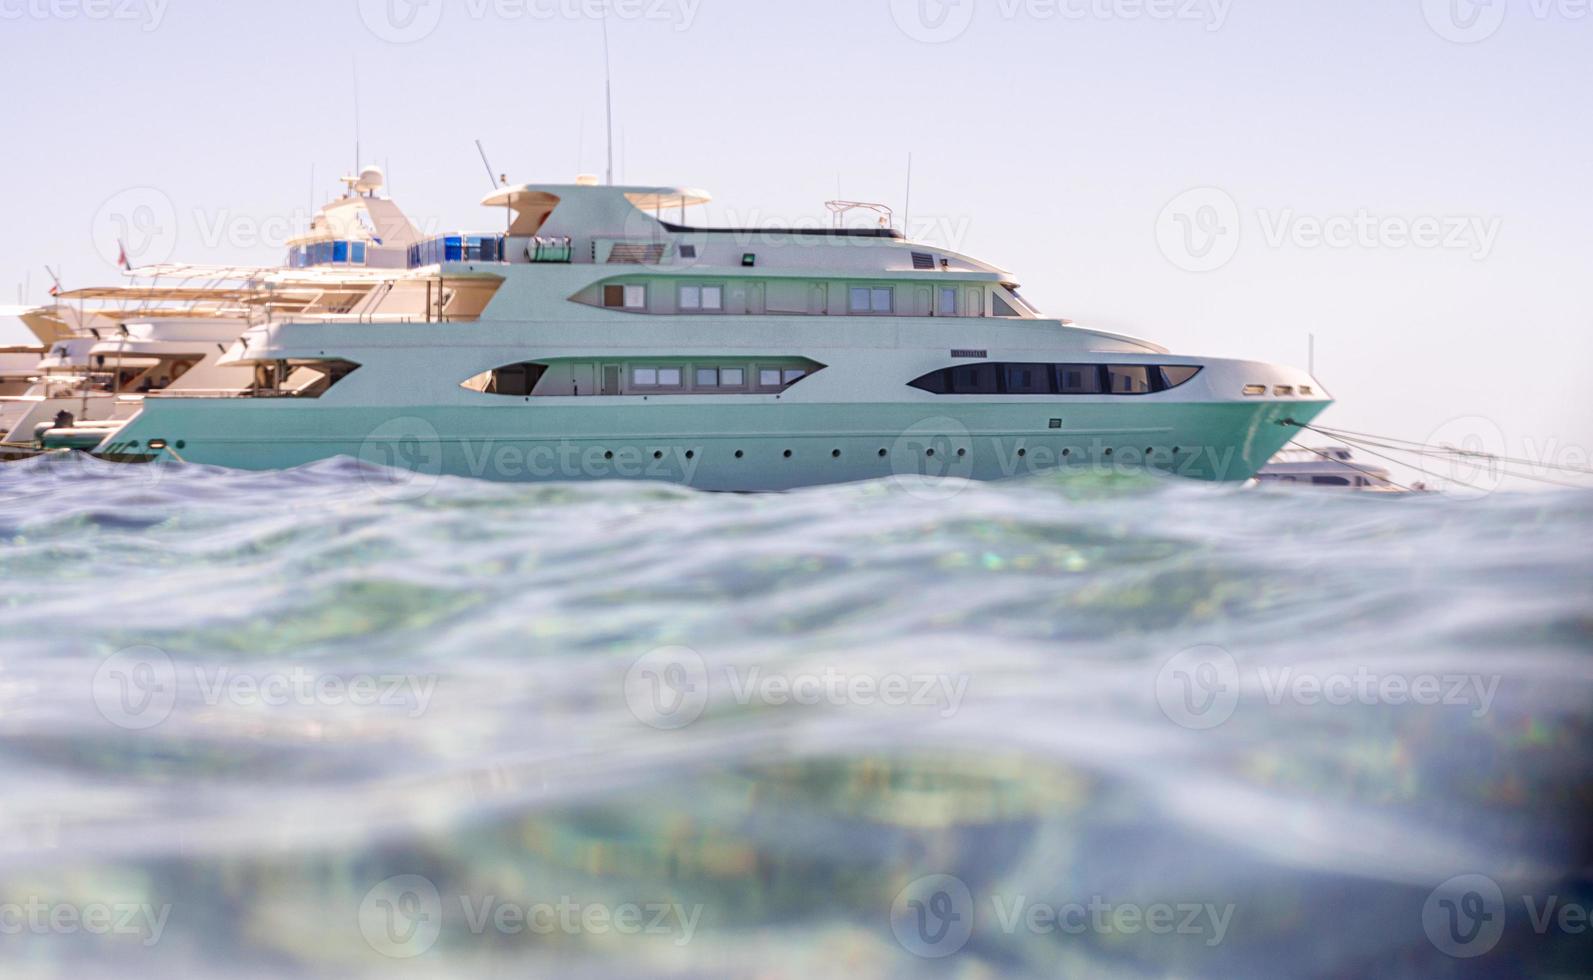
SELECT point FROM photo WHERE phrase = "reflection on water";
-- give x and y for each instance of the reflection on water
(286, 726)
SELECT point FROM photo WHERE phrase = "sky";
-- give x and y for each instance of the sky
(1408, 181)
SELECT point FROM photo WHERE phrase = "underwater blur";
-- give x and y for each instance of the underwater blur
(1080, 725)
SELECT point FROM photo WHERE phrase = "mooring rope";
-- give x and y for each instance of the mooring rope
(1365, 442)
(1364, 472)
(1387, 442)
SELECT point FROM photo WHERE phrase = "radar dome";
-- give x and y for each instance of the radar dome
(371, 180)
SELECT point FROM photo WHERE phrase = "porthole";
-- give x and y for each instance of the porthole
(788, 454)
(883, 453)
(740, 454)
(182, 444)
(690, 454)
(1023, 454)
(930, 454)
(836, 454)
(609, 454)
(1108, 452)
(658, 455)
(961, 453)
(1066, 453)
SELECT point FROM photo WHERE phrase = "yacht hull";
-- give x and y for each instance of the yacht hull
(771, 446)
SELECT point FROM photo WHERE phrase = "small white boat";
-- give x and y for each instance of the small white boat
(1333, 467)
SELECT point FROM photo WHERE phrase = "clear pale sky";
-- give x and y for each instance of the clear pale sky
(1048, 137)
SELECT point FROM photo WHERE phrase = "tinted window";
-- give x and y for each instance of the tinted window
(517, 380)
(1029, 379)
(1329, 481)
(1078, 379)
(1127, 380)
(1172, 377)
(1054, 379)
(975, 379)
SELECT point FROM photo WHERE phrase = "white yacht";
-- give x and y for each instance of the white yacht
(167, 330)
(599, 336)
(1332, 467)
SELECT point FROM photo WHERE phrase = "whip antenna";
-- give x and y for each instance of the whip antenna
(608, 95)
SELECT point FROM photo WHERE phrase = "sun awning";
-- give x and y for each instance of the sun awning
(155, 294)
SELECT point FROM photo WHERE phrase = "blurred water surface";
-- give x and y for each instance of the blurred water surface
(302, 725)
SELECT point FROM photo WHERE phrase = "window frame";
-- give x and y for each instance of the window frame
(954, 308)
(872, 295)
(701, 289)
(625, 293)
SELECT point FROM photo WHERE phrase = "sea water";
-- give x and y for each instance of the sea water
(324, 723)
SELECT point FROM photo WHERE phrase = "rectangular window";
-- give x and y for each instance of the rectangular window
(948, 301)
(872, 299)
(635, 297)
(1129, 380)
(793, 376)
(1078, 379)
(669, 377)
(769, 378)
(645, 377)
(732, 377)
(710, 299)
(707, 377)
(1028, 379)
(975, 379)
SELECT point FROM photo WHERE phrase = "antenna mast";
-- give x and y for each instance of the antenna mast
(907, 212)
(608, 95)
(484, 162)
(357, 164)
